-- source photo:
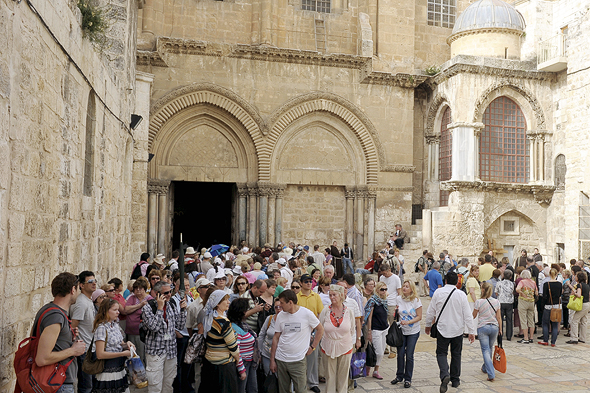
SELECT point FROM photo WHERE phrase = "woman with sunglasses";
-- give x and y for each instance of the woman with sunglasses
(266, 335)
(133, 306)
(324, 290)
(241, 287)
(296, 286)
(377, 326)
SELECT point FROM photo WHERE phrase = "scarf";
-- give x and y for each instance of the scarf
(210, 311)
(372, 302)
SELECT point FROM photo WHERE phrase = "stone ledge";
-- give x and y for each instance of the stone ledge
(542, 193)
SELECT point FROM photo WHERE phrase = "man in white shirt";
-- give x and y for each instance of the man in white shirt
(192, 324)
(318, 257)
(285, 272)
(290, 344)
(450, 325)
(394, 287)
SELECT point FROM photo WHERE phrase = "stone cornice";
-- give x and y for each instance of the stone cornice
(542, 193)
(482, 31)
(156, 186)
(399, 168)
(476, 126)
(388, 78)
(147, 58)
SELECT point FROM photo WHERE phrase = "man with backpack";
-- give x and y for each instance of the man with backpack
(56, 343)
(160, 324)
(141, 268)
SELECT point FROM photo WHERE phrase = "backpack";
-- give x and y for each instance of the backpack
(31, 378)
(136, 273)
(143, 331)
(416, 270)
(461, 282)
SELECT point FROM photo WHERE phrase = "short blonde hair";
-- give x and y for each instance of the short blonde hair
(525, 274)
(339, 289)
(281, 281)
(378, 287)
(413, 295)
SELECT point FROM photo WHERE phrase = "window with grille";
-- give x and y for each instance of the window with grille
(445, 154)
(316, 5)
(503, 147)
(442, 12)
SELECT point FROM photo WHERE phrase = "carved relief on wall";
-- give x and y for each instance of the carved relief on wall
(204, 146)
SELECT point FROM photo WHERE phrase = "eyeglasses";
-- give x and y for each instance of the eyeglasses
(91, 281)
(383, 289)
(306, 282)
(294, 287)
(165, 293)
(278, 307)
(110, 290)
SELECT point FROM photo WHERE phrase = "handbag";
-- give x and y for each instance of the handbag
(434, 328)
(499, 359)
(358, 362)
(371, 358)
(92, 365)
(31, 378)
(555, 315)
(271, 384)
(575, 303)
(195, 350)
(394, 337)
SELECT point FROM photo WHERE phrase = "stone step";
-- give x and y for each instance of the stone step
(415, 233)
(419, 222)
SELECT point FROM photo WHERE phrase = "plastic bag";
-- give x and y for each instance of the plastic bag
(357, 365)
(136, 371)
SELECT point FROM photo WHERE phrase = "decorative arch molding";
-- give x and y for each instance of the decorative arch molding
(358, 122)
(206, 93)
(533, 214)
(434, 111)
(495, 90)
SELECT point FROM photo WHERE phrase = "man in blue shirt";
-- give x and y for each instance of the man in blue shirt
(433, 279)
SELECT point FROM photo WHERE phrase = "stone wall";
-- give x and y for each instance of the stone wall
(49, 223)
(314, 215)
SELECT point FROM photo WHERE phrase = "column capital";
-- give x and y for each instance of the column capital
(432, 139)
(160, 187)
(350, 192)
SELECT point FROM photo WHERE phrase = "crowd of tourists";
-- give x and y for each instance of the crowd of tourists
(290, 317)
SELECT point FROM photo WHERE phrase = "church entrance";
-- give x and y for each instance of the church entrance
(204, 213)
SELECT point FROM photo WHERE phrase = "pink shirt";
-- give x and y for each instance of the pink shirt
(133, 319)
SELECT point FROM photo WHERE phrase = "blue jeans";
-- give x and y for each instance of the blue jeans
(487, 336)
(405, 357)
(84, 380)
(363, 271)
(66, 388)
(250, 384)
(554, 327)
(348, 264)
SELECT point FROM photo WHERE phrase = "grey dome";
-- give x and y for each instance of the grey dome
(485, 14)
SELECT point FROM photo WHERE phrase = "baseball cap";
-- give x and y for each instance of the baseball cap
(201, 282)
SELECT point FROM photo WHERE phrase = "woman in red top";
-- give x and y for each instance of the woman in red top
(118, 296)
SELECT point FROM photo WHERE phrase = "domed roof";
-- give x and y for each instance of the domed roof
(485, 14)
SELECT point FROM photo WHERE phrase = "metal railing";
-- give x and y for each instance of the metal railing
(552, 48)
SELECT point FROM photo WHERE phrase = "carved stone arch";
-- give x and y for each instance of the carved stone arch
(435, 110)
(526, 100)
(337, 106)
(209, 93)
(532, 212)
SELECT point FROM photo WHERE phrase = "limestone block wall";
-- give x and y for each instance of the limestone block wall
(489, 43)
(47, 223)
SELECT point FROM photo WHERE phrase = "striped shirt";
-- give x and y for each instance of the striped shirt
(246, 343)
(222, 344)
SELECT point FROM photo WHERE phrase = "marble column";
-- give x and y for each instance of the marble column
(263, 192)
(271, 217)
(152, 221)
(252, 205)
(162, 218)
(433, 142)
(465, 151)
(242, 211)
(370, 235)
(533, 157)
(360, 224)
(279, 214)
(349, 193)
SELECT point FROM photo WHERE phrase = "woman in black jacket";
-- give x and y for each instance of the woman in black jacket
(552, 299)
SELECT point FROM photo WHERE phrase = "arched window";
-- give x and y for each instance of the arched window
(445, 154)
(89, 144)
(560, 171)
(503, 147)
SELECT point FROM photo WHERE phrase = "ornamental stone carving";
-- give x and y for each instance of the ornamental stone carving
(542, 193)
(438, 100)
(159, 187)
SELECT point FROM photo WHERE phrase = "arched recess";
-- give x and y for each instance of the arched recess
(530, 106)
(518, 235)
(318, 148)
(435, 112)
(531, 211)
(206, 93)
(203, 143)
(357, 122)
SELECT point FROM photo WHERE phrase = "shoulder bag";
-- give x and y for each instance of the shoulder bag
(575, 303)
(555, 315)
(434, 328)
(394, 337)
(92, 365)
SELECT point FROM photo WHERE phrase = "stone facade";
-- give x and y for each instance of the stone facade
(67, 156)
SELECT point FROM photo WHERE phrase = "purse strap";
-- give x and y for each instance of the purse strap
(488, 299)
(444, 305)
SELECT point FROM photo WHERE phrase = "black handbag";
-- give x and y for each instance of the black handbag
(271, 384)
(394, 337)
(434, 328)
(371, 356)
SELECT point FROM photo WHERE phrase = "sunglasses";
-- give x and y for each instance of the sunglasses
(242, 283)
(110, 290)
(91, 281)
(155, 278)
(165, 293)
(307, 282)
(295, 287)
(383, 289)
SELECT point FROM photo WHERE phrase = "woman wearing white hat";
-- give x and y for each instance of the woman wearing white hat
(223, 353)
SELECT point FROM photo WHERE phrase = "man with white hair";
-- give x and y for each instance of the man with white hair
(206, 263)
(285, 272)
(329, 273)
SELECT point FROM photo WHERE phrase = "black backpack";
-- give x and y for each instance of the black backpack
(136, 273)
(143, 332)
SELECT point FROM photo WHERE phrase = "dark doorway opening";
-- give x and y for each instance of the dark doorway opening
(202, 213)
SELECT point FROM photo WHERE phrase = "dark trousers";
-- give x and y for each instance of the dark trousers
(554, 327)
(399, 243)
(442, 350)
(84, 380)
(540, 308)
(405, 357)
(566, 315)
(222, 379)
(507, 311)
(183, 381)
